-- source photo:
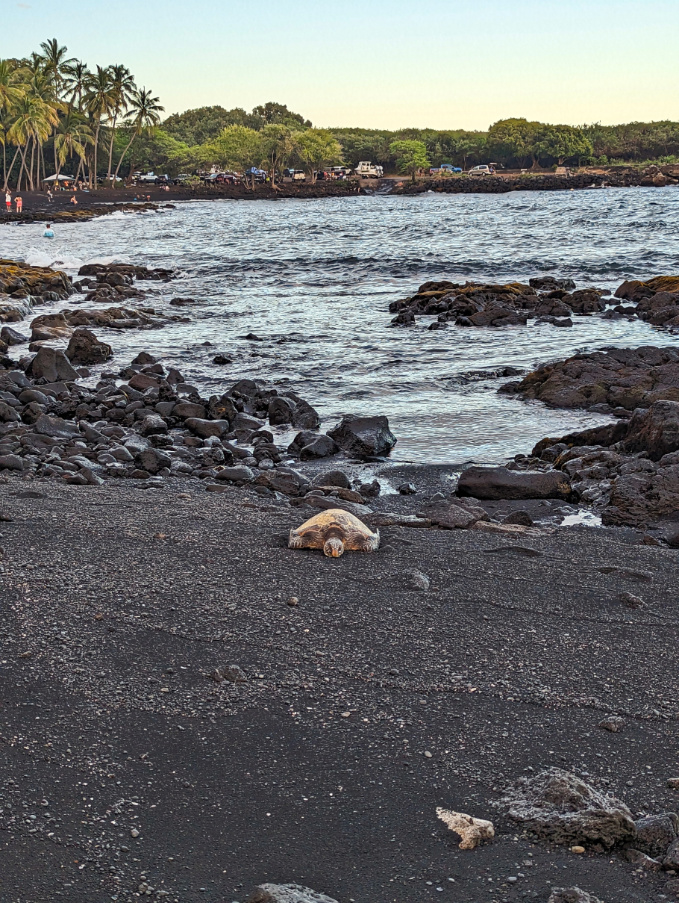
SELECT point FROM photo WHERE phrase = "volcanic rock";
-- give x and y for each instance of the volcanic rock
(562, 808)
(502, 483)
(85, 348)
(364, 437)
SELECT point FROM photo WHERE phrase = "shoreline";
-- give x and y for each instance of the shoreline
(104, 201)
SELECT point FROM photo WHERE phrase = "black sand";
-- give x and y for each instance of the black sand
(116, 603)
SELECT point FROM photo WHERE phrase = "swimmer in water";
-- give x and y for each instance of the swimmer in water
(48, 233)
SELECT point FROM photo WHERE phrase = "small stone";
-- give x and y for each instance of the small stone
(614, 724)
(577, 849)
(427, 754)
(407, 489)
(673, 783)
(346, 714)
(292, 601)
(134, 832)
(629, 600)
(415, 579)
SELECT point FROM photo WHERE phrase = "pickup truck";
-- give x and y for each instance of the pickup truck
(369, 170)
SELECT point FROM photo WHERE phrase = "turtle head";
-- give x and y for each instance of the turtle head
(333, 547)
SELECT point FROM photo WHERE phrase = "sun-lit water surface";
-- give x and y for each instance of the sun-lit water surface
(313, 279)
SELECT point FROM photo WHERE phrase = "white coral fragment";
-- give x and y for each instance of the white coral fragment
(471, 830)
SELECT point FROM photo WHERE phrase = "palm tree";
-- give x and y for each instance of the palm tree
(99, 101)
(72, 137)
(143, 117)
(123, 87)
(32, 125)
(55, 62)
(11, 91)
(75, 82)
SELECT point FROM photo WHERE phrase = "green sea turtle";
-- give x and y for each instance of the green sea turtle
(334, 531)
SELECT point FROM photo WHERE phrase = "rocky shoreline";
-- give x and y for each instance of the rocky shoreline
(144, 422)
(172, 653)
(37, 207)
(623, 177)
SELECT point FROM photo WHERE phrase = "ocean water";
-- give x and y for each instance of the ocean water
(313, 280)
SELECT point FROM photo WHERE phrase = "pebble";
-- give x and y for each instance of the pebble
(577, 849)
(134, 832)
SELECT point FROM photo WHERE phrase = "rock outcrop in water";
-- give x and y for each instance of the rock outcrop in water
(603, 381)
(627, 470)
(512, 304)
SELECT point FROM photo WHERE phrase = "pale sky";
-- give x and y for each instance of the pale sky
(376, 63)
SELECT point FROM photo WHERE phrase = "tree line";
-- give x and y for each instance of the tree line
(55, 111)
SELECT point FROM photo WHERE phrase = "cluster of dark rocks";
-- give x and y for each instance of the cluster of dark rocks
(24, 287)
(628, 470)
(559, 807)
(544, 300)
(614, 177)
(146, 422)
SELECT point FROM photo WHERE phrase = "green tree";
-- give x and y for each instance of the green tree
(317, 148)
(410, 156)
(278, 114)
(513, 140)
(237, 147)
(561, 143)
(278, 145)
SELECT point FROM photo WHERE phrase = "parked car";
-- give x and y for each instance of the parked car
(339, 172)
(448, 167)
(257, 175)
(482, 170)
(369, 170)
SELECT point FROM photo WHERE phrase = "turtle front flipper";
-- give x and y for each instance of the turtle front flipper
(370, 543)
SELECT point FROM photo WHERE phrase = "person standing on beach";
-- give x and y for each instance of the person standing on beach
(49, 196)
(19, 204)
(8, 201)
(74, 200)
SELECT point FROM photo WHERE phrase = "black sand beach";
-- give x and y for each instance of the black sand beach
(367, 704)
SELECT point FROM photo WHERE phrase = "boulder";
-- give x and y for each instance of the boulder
(304, 417)
(153, 460)
(306, 437)
(153, 425)
(332, 478)
(52, 365)
(280, 411)
(186, 409)
(655, 833)
(452, 515)
(287, 893)
(654, 431)
(85, 348)
(10, 336)
(502, 483)
(364, 437)
(285, 480)
(640, 498)
(207, 428)
(11, 462)
(319, 447)
(8, 414)
(240, 473)
(56, 427)
(559, 807)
